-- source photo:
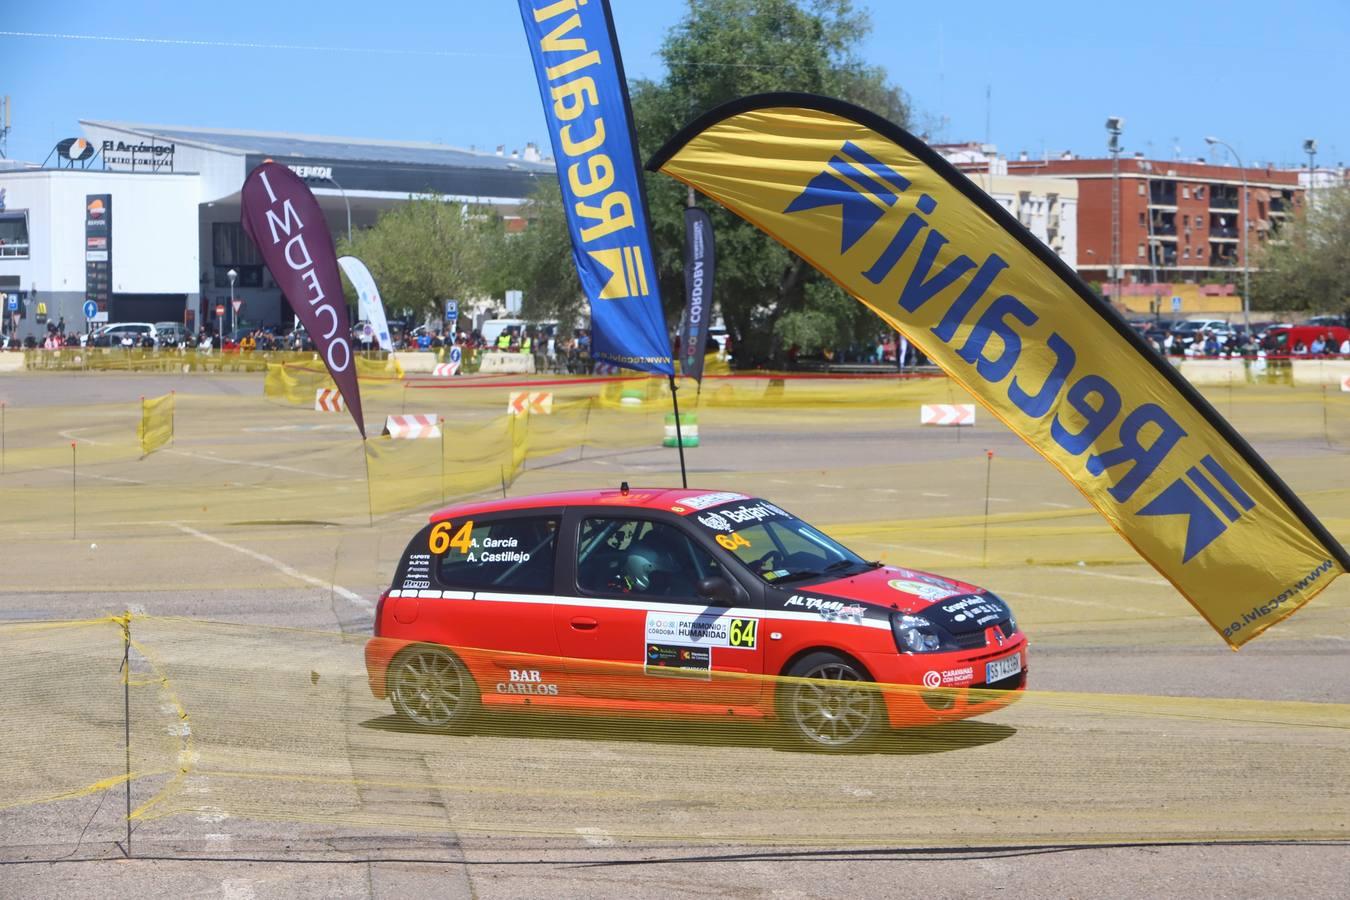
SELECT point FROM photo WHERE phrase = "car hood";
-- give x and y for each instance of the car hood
(908, 590)
(956, 606)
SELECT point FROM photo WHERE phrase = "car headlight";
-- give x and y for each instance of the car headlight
(914, 634)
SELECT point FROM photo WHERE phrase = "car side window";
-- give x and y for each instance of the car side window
(513, 555)
(621, 556)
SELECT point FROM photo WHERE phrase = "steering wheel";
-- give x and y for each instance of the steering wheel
(768, 561)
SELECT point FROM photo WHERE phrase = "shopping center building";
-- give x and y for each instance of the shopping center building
(144, 220)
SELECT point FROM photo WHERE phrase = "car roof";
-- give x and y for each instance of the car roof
(662, 498)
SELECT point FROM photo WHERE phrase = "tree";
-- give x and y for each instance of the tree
(538, 260)
(425, 251)
(1306, 266)
(724, 49)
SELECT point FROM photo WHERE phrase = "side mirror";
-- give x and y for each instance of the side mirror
(718, 591)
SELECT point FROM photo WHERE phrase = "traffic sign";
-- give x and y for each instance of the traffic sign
(455, 355)
(236, 303)
(1176, 304)
(451, 310)
(12, 304)
(220, 310)
(90, 309)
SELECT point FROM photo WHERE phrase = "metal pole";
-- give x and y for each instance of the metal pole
(345, 202)
(1246, 260)
(73, 516)
(370, 494)
(126, 719)
(988, 479)
(679, 437)
(1310, 147)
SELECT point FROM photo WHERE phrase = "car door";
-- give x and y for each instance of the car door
(496, 578)
(635, 628)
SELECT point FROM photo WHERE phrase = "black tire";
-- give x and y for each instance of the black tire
(432, 690)
(819, 716)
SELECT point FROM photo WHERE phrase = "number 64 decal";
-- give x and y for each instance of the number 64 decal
(732, 541)
(440, 540)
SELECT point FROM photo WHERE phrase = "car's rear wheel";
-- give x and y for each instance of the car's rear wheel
(836, 709)
(432, 689)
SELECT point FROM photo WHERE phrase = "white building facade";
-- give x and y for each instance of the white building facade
(1047, 206)
(148, 228)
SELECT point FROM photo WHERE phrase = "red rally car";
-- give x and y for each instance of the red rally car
(675, 603)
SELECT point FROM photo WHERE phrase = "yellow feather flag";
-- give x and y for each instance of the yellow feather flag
(901, 230)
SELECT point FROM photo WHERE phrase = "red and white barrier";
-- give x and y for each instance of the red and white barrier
(412, 427)
(328, 400)
(947, 414)
(1345, 383)
(445, 370)
(527, 402)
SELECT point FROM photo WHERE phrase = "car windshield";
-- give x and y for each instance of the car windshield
(776, 545)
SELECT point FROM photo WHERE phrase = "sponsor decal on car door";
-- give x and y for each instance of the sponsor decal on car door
(644, 635)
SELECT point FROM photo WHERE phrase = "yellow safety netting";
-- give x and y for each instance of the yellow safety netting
(267, 723)
(235, 456)
(118, 359)
(156, 427)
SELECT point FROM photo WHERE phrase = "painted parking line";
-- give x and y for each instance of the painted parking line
(211, 457)
(280, 566)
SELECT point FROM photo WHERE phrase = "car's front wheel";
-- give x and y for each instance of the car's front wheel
(835, 708)
(432, 689)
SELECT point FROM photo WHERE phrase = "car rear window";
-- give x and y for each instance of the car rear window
(512, 555)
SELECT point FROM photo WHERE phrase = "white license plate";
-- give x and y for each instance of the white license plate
(1002, 668)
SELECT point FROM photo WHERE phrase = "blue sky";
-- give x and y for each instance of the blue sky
(1261, 76)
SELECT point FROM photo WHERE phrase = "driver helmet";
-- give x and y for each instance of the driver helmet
(642, 563)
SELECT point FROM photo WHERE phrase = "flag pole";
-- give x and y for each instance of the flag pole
(679, 437)
(370, 491)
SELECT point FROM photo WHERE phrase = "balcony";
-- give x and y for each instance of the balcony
(15, 250)
(1163, 225)
(1219, 200)
(1162, 193)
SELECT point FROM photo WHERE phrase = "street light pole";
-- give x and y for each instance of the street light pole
(1310, 148)
(1246, 260)
(345, 202)
(1114, 125)
(232, 275)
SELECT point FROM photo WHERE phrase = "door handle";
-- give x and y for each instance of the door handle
(584, 623)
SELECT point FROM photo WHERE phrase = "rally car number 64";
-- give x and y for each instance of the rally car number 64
(677, 603)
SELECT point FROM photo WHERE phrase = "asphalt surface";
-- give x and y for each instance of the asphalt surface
(1109, 626)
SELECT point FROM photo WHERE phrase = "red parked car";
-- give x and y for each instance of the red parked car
(674, 603)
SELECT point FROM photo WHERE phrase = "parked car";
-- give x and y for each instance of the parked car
(1187, 331)
(675, 603)
(1337, 321)
(171, 334)
(126, 335)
